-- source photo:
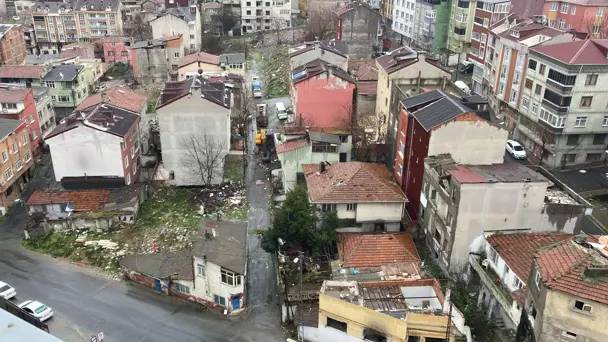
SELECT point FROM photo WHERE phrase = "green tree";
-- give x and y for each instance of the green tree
(326, 235)
(294, 222)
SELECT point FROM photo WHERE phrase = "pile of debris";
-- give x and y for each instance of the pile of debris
(218, 199)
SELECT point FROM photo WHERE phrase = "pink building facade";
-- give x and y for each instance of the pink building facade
(581, 16)
(322, 96)
(117, 50)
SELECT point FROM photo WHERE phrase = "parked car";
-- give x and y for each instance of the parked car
(515, 149)
(37, 309)
(7, 291)
(466, 67)
(281, 111)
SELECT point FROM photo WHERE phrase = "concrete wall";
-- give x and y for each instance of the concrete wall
(560, 316)
(151, 65)
(291, 163)
(170, 25)
(386, 212)
(186, 117)
(359, 30)
(85, 151)
(193, 68)
(478, 142)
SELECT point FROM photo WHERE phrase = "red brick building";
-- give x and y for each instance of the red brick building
(322, 96)
(435, 123)
(18, 103)
(116, 50)
(12, 44)
(16, 157)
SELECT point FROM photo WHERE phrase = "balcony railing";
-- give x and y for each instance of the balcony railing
(553, 106)
(492, 282)
(564, 89)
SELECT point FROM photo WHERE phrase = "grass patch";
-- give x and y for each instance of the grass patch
(233, 168)
(275, 72)
(238, 213)
(55, 244)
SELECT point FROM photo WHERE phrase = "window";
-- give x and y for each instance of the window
(529, 83)
(460, 31)
(541, 70)
(553, 6)
(492, 255)
(336, 324)
(537, 279)
(593, 157)
(564, 8)
(581, 121)
(591, 80)
(560, 78)
(532, 64)
(177, 54)
(200, 270)
(351, 206)
(573, 10)
(27, 156)
(327, 207)
(24, 139)
(230, 278)
(538, 89)
(572, 140)
(50, 84)
(568, 335)
(344, 138)
(9, 106)
(63, 98)
(8, 174)
(124, 53)
(599, 139)
(517, 283)
(600, 12)
(219, 300)
(126, 160)
(4, 156)
(15, 148)
(582, 306)
(534, 108)
(605, 121)
(324, 147)
(525, 102)
(18, 164)
(586, 101)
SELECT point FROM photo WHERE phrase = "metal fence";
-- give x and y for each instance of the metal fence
(12, 308)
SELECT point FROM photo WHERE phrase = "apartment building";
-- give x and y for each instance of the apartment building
(262, 15)
(16, 155)
(184, 21)
(60, 23)
(487, 13)
(18, 103)
(460, 28)
(67, 87)
(431, 22)
(580, 16)
(563, 118)
(460, 202)
(360, 29)
(12, 44)
(403, 18)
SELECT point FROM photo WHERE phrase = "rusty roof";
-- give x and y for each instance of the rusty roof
(13, 95)
(363, 69)
(518, 250)
(83, 200)
(202, 57)
(570, 267)
(351, 182)
(121, 97)
(291, 145)
(22, 71)
(376, 249)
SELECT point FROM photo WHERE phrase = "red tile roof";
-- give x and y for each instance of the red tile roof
(202, 57)
(518, 250)
(22, 71)
(562, 269)
(590, 51)
(291, 145)
(13, 95)
(83, 200)
(363, 69)
(121, 97)
(376, 249)
(352, 182)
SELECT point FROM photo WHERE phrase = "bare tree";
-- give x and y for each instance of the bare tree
(138, 28)
(320, 23)
(204, 156)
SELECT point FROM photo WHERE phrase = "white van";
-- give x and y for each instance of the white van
(463, 87)
(281, 111)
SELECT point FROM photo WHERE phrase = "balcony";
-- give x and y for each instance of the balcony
(555, 107)
(492, 281)
(564, 89)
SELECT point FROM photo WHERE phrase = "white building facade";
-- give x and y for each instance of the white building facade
(403, 18)
(180, 21)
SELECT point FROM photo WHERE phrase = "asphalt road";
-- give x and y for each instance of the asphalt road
(86, 301)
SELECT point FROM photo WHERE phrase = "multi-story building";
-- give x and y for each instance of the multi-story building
(328, 52)
(29, 36)
(116, 50)
(580, 16)
(563, 118)
(27, 75)
(503, 263)
(427, 125)
(16, 155)
(45, 110)
(461, 202)
(18, 103)
(403, 18)
(261, 15)
(359, 28)
(460, 28)
(67, 87)
(487, 14)
(60, 23)
(431, 22)
(153, 60)
(566, 298)
(12, 44)
(184, 21)
(101, 141)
